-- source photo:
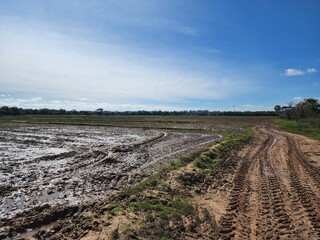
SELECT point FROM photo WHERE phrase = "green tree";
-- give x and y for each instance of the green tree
(277, 108)
(99, 111)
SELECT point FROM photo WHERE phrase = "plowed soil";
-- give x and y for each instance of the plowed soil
(272, 187)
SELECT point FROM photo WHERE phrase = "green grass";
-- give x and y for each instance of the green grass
(154, 181)
(302, 128)
(211, 156)
(148, 183)
(130, 233)
(161, 213)
(113, 208)
(164, 208)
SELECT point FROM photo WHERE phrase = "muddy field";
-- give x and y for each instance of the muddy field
(270, 189)
(67, 165)
(267, 189)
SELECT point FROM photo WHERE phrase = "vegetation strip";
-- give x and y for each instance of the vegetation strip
(298, 127)
(302, 118)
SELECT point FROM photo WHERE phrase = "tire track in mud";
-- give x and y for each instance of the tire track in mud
(296, 154)
(305, 195)
(272, 202)
(239, 199)
(274, 220)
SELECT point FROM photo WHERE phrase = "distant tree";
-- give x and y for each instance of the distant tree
(277, 108)
(99, 111)
(62, 111)
(44, 111)
(310, 104)
(307, 109)
(15, 111)
(73, 112)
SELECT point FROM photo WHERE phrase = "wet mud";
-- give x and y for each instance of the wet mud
(46, 167)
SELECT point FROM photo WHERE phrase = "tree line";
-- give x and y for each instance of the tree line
(14, 111)
(308, 109)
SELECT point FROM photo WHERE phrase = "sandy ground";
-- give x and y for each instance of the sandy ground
(272, 187)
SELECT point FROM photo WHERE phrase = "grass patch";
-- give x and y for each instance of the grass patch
(165, 207)
(153, 205)
(302, 128)
(208, 160)
(149, 183)
(154, 181)
(163, 216)
(130, 233)
(113, 208)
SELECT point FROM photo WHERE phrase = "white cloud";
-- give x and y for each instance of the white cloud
(20, 102)
(311, 70)
(297, 99)
(42, 59)
(78, 105)
(298, 72)
(250, 107)
(293, 72)
(84, 99)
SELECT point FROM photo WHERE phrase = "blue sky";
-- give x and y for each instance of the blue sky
(158, 55)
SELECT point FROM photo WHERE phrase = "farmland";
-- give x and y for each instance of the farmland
(121, 177)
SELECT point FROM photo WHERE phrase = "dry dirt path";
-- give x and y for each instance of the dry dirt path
(276, 189)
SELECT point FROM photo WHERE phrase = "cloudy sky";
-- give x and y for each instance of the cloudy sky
(158, 54)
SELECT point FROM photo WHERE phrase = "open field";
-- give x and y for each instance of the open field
(138, 177)
(165, 122)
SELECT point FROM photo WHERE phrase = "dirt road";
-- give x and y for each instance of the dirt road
(276, 189)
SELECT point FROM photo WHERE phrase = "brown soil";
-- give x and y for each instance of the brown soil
(270, 189)
(275, 190)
